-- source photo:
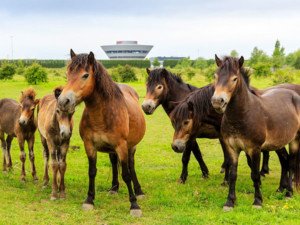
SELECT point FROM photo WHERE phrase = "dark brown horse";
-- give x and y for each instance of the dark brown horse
(112, 121)
(55, 127)
(255, 123)
(18, 121)
(163, 88)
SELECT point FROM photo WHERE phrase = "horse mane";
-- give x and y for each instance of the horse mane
(28, 93)
(232, 64)
(201, 100)
(155, 76)
(105, 86)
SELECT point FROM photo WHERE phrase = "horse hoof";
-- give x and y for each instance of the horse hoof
(23, 180)
(136, 212)
(227, 208)
(53, 198)
(87, 206)
(44, 186)
(222, 170)
(141, 197)
(288, 198)
(36, 181)
(205, 176)
(113, 192)
(62, 198)
(180, 181)
(257, 206)
(4, 171)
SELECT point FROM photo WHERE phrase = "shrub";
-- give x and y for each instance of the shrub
(114, 73)
(36, 74)
(209, 72)
(170, 63)
(297, 63)
(126, 73)
(156, 63)
(283, 76)
(7, 72)
(262, 69)
(190, 73)
(20, 69)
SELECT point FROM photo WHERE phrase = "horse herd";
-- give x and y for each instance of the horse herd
(240, 116)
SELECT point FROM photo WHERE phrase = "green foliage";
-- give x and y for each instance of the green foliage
(200, 63)
(184, 63)
(20, 69)
(262, 69)
(297, 63)
(36, 74)
(190, 73)
(282, 76)
(114, 73)
(47, 63)
(156, 63)
(7, 71)
(209, 72)
(170, 63)
(234, 53)
(258, 56)
(278, 55)
(131, 62)
(126, 73)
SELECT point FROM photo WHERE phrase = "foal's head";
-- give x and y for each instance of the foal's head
(28, 103)
(64, 118)
(157, 88)
(228, 79)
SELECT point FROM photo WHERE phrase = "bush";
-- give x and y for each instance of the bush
(170, 63)
(114, 74)
(262, 69)
(36, 74)
(20, 69)
(190, 73)
(209, 72)
(126, 73)
(7, 72)
(156, 63)
(283, 76)
(297, 63)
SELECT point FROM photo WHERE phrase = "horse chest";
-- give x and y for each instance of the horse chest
(102, 143)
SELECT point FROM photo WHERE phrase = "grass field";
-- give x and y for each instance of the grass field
(158, 168)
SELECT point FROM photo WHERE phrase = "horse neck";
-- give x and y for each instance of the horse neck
(176, 92)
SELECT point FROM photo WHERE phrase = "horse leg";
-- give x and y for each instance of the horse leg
(283, 158)
(185, 161)
(225, 165)
(255, 155)
(8, 146)
(46, 161)
(92, 156)
(198, 156)
(233, 162)
(31, 157)
(122, 152)
(265, 165)
(55, 167)
(62, 171)
(4, 149)
(137, 187)
(22, 156)
(115, 182)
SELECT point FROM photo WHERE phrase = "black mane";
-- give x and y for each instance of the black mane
(155, 77)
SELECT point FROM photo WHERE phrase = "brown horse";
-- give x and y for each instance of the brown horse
(18, 121)
(55, 127)
(255, 123)
(163, 88)
(112, 121)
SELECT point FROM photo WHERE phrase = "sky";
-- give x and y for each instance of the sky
(48, 29)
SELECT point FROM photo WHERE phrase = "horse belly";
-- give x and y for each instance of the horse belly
(208, 131)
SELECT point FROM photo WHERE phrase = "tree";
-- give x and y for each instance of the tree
(126, 73)
(200, 63)
(297, 63)
(7, 72)
(234, 53)
(261, 69)
(258, 56)
(156, 63)
(36, 74)
(278, 55)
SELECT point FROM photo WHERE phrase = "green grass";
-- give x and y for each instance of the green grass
(158, 168)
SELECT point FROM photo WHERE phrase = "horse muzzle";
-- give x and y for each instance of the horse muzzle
(178, 146)
(219, 102)
(67, 102)
(23, 121)
(148, 107)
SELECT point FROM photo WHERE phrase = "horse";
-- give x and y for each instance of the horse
(255, 123)
(163, 88)
(112, 121)
(195, 117)
(18, 121)
(55, 127)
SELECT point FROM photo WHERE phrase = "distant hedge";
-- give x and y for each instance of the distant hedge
(131, 62)
(170, 62)
(48, 63)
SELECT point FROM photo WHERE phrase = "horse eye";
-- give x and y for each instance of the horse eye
(32, 109)
(85, 76)
(159, 87)
(185, 123)
(57, 111)
(234, 79)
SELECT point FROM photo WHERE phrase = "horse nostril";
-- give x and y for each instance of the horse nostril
(221, 100)
(67, 101)
(62, 134)
(175, 148)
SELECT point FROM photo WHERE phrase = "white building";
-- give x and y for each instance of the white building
(126, 50)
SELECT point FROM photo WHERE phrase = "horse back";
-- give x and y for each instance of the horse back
(10, 111)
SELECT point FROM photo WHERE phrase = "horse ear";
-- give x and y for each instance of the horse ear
(57, 91)
(172, 105)
(190, 107)
(241, 61)
(218, 60)
(148, 71)
(36, 101)
(72, 53)
(164, 73)
(91, 58)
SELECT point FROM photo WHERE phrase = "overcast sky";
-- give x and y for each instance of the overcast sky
(48, 29)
